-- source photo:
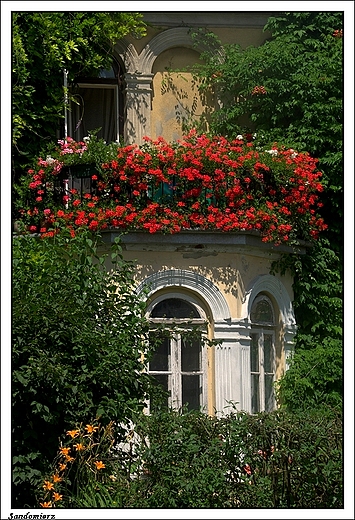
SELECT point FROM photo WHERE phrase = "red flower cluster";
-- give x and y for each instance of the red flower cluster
(338, 33)
(197, 183)
(258, 90)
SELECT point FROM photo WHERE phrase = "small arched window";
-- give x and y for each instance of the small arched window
(262, 355)
(178, 363)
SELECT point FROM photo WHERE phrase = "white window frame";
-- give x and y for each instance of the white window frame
(261, 330)
(174, 371)
(260, 333)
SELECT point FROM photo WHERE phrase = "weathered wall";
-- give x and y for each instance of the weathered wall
(170, 99)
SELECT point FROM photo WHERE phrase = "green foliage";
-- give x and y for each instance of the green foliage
(180, 459)
(268, 460)
(84, 472)
(315, 376)
(44, 44)
(77, 333)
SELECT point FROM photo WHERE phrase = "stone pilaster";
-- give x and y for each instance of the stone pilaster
(138, 107)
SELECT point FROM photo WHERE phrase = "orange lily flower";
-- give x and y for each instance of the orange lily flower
(57, 496)
(64, 451)
(69, 459)
(73, 433)
(99, 464)
(62, 466)
(48, 485)
(57, 478)
(91, 429)
(79, 447)
(46, 504)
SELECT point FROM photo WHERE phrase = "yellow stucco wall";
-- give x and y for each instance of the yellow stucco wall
(175, 98)
(231, 273)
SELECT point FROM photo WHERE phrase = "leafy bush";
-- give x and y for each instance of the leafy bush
(190, 460)
(77, 333)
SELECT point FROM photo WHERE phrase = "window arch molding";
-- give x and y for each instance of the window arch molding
(143, 63)
(270, 285)
(198, 284)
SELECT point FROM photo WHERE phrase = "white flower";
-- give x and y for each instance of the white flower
(254, 136)
(272, 152)
(86, 139)
(240, 137)
(49, 159)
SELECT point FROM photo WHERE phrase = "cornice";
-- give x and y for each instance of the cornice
(212, 19)
(199, 243)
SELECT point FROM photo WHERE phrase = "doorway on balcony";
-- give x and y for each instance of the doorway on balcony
(98, 103)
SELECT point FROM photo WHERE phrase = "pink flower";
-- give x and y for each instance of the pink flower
(247, 469)
(47, 212)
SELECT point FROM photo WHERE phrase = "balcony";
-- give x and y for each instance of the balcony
(198, 184)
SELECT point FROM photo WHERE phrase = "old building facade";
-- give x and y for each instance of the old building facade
(220, 279)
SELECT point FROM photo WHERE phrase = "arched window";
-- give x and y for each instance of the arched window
(97, 102)
(262, 355)
(178, 363)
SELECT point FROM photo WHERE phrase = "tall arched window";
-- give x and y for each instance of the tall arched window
(97, 102)
(179, 362)
(262, 355)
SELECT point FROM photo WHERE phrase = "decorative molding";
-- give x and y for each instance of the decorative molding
(271, 285)
(197, 283)
(176, 37)
(128, 54)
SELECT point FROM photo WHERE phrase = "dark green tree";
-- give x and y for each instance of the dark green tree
(77, 337)
(290, 91)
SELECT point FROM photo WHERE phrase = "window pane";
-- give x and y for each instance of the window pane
(174, 308)
(160, 359)
(255, 393)
(160, 394)
(190, 354)
(268, 354)
(254, 353)
(262, 312)
(269, 393)
(191, 391)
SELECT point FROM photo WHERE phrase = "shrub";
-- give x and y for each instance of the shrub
(180, 459)
(77, 333)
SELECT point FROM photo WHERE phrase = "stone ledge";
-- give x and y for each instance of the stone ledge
(200, 243)
(233, 19)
